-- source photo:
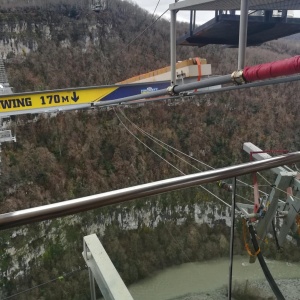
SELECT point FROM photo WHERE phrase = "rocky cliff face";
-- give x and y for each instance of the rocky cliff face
(23, 33)
(127, 218)
(55, 244)
(11, 44)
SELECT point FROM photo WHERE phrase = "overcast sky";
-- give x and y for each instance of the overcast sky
(150, 5)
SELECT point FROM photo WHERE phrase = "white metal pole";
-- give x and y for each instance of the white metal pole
(243, 33)
(173, 46)
(231, 237)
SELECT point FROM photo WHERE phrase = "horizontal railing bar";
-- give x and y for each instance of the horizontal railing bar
(74, 206)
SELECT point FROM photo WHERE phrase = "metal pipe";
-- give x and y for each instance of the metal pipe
(219, 90)
(243, 33)
(202, 84)
(249, 85)
(92, 285)
(194, 20)
(70, 207)
(173, 46)
(231, 237)
(191, 23)
(176, 90)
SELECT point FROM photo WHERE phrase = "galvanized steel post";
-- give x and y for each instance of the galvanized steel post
(243, 33)
(173, 46)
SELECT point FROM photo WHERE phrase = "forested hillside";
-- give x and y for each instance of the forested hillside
(60, 44)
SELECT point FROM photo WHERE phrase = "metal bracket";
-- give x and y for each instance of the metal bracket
(171, 91)
(237, 77)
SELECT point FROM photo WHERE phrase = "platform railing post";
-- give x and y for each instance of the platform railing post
(92, 285)
(232, 237)
(91, 277)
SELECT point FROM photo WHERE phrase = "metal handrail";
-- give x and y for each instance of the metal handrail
(69, 207)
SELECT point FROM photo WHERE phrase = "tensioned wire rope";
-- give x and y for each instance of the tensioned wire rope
(155, 8)
(173, 148)
(132, 134)
(157, 141)
(149, 26)
(59, 278)
(182, 173)
(161, 143)
(275, 187)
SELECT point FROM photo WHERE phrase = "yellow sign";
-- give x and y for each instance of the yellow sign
(48, 99)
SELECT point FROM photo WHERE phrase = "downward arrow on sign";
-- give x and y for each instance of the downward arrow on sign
(75, 98)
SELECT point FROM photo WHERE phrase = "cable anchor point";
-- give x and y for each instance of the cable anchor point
(237, 77)
(171, 91)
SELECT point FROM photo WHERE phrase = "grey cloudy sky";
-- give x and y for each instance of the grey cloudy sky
(164, 4)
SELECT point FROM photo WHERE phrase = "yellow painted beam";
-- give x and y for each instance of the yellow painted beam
(48, 99)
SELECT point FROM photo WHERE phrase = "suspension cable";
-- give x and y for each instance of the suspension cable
(147, 145)
(156, 140)
(191, 157)
(275, 187)
(47, 282)
(149, 26)
(155, 8)
(166, 160)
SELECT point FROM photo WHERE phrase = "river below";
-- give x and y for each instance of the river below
(207, 277)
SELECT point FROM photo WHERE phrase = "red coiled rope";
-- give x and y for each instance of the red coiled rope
(274, 69)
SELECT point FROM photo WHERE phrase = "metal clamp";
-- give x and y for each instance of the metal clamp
(171, 91)
(237, 77)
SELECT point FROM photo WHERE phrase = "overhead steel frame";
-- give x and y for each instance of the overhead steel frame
(242, 35)
(173, 46)
(214, 5)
